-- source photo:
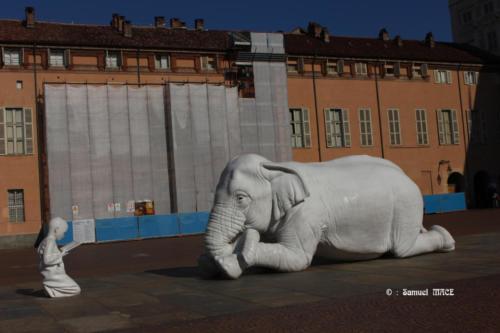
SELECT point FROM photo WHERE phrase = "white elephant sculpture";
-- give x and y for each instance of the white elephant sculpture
(351, 208)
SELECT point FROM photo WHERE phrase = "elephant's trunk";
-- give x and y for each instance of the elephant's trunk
(225, 223)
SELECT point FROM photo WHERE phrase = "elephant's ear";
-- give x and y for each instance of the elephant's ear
(288, 187)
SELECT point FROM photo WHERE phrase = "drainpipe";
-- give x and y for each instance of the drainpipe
(379, 113)
(138, 68)
(316, 108)
(40, 142)
(464, 130)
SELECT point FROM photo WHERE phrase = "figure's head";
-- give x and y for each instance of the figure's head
(252, 192)
(58, 227)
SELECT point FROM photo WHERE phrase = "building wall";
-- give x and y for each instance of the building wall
(22, 171)
(473, 20)
(420, 162)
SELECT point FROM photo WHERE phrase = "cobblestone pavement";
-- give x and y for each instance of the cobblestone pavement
(325, 297)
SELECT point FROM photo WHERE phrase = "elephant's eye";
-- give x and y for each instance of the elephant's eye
(241, 198)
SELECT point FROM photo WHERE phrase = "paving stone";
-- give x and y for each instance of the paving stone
(19, 308)
(124, 297)
(71, 307)
(35, 324)
(101, 323)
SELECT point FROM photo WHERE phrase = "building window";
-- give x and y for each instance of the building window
(16, 131)
(448, 127)
(337, 128)
(331, 67)
(11, 57)
(422, 138)
(389, 69)
(476, 120)
(365, 126)
(56, 58)
(394, 127)
(112, 59)
(492, 40)
(301, 132)
(360, 68)
(442, 76)
(467, 17)
(16, 205)
(162, 62)
(208, 63)
(488, 7)
(293, 65)
(471, 77)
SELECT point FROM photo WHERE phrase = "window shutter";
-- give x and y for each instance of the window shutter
(328, 123)
(340, 66)
(306, 129)
(448, 77)
(66, 58)
(397, 69)
(482, 120)
(300, 64)
(440, 126)
(424, 70)
(28, 131)
(436, 76)
(2, 133)
(454, 124)
(346, 129)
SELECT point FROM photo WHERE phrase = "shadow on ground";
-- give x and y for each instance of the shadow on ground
(32, 292)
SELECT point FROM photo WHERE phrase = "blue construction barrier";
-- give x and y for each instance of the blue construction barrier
(192, 223)
(440, 203)
(121, 228)
(150, 226)
(158, 226)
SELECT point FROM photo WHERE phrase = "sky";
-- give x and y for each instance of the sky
(409, 19)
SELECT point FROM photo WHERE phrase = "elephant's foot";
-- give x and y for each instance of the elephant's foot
(251, 238)
(230, 266)
(448, 241)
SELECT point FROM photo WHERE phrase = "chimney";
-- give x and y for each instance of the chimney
(314, 29)
(121, 21)
(199, 24)
(127, 29)
(30, 17)
(398, 40)
(429, 40)
(383, 34)
(176, 23)
(325, 35)
(114, 20)
(159, 21)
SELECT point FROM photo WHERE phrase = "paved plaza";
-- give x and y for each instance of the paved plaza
(328, 296)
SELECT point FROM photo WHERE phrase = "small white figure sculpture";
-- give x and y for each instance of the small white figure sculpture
(55, 280)
(351, 208)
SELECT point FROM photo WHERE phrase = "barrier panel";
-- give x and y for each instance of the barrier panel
(193, 223)
(158, 226)
(122, 228)
(440, 203)
(150, 226)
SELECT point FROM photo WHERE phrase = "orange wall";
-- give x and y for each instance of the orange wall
(421, 163)
(22, 172)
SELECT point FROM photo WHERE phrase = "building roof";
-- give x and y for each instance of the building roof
(375, 48)
(62, 34)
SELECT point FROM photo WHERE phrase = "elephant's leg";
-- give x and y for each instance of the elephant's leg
(233, 265)
(294, 250)
(436, 239)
